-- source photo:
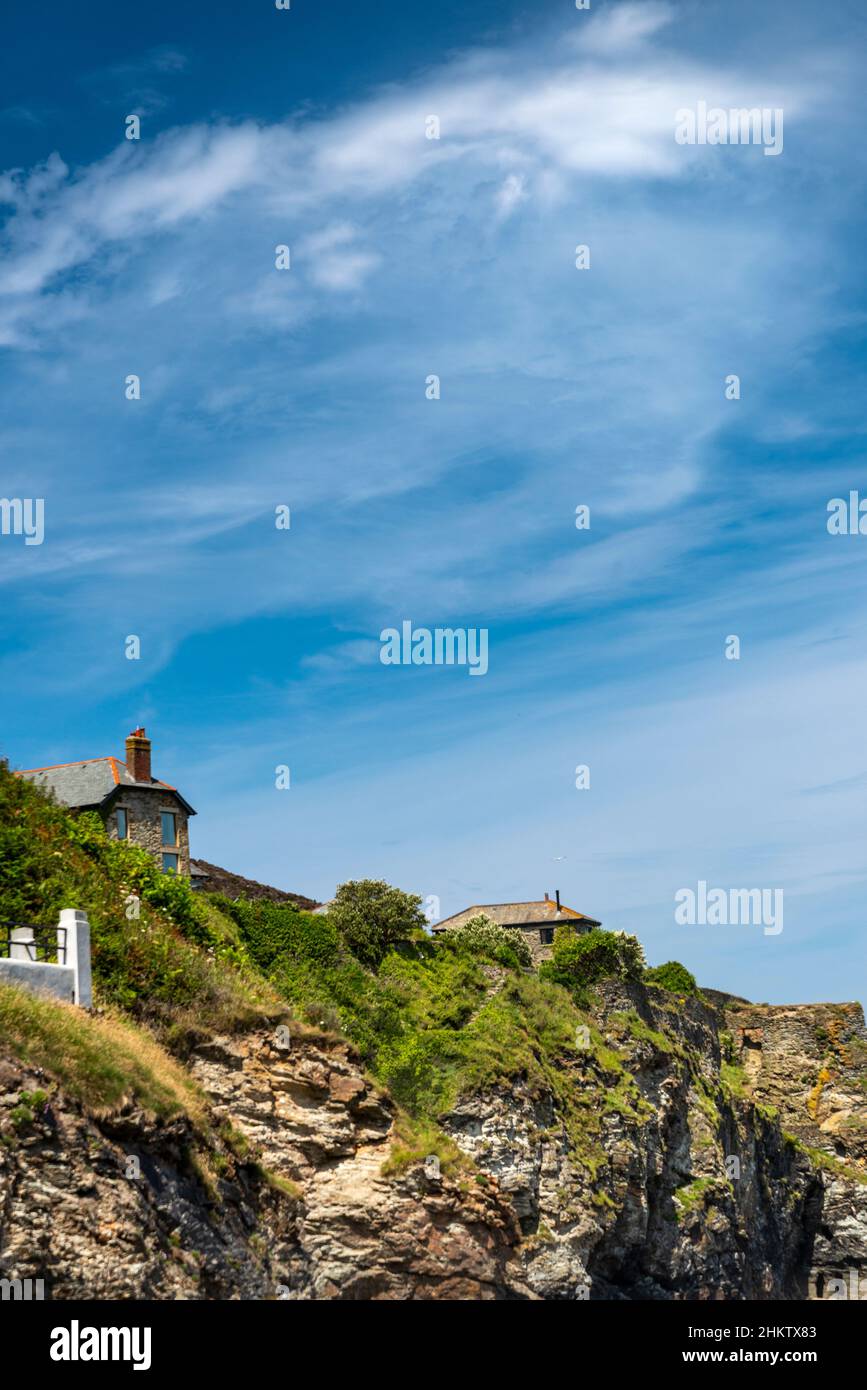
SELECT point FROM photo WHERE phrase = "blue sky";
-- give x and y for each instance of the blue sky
(560, 387)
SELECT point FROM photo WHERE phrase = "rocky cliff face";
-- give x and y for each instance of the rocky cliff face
(356, 1234)
(728, 1180)
(692, 1150)
(115, 1209)
(809, 1062)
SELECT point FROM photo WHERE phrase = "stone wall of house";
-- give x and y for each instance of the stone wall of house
(143, 810)
(539, 950)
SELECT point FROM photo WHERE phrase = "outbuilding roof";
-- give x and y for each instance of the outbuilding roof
(530, 914)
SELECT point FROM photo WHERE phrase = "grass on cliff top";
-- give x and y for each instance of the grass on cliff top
(434, 1022)
(102, 1062)
(439, 1021)
(158, 952)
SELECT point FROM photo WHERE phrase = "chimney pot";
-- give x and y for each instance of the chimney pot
(558, 899)
(138, 756)
(547, 899)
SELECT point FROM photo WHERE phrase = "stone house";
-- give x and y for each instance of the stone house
(133, 805)
(535, 920)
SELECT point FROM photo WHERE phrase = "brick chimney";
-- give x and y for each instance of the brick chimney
(138, 756)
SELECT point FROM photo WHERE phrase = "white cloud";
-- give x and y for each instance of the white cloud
(263, 387)
(510, 194)
(336, 660)
(621, 28)
(335, 262)
(24, 191)
(536, 116)
(413, 256)
(130, 195)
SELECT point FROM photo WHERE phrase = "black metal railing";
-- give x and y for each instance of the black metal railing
(34, 943)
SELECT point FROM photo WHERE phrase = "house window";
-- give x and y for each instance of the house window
(546, 935)
(170, 827)
(170, 863)
(122, 824)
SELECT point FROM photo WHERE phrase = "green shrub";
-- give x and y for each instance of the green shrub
(270, 931)
(672, 976)
(372, 918)
(87, 830)
(138, 872)
(31, 874)
(417, 1068)
(481, 936)
(147, 928)
(582, 960)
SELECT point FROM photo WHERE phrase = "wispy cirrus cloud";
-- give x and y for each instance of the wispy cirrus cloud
(534, 119)
(456, 258)
(137, 81)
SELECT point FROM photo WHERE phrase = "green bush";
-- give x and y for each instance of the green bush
(88, 832)
(672, 976)
(31, 873)
(270, 931)
(372, 918)
(481, 936)
(582, 960)
(146, 954)
(417, 1068)
(129, 865)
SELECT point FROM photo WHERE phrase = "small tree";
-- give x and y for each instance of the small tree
(580, 960)
(372, 917)
(673, 976)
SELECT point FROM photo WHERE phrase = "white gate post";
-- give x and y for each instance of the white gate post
(77, 929)
(19, 939)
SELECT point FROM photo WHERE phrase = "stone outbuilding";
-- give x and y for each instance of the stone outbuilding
(133, 804)
(535, 920)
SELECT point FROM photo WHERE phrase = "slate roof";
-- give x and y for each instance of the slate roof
(530, 914)
(88, 783)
